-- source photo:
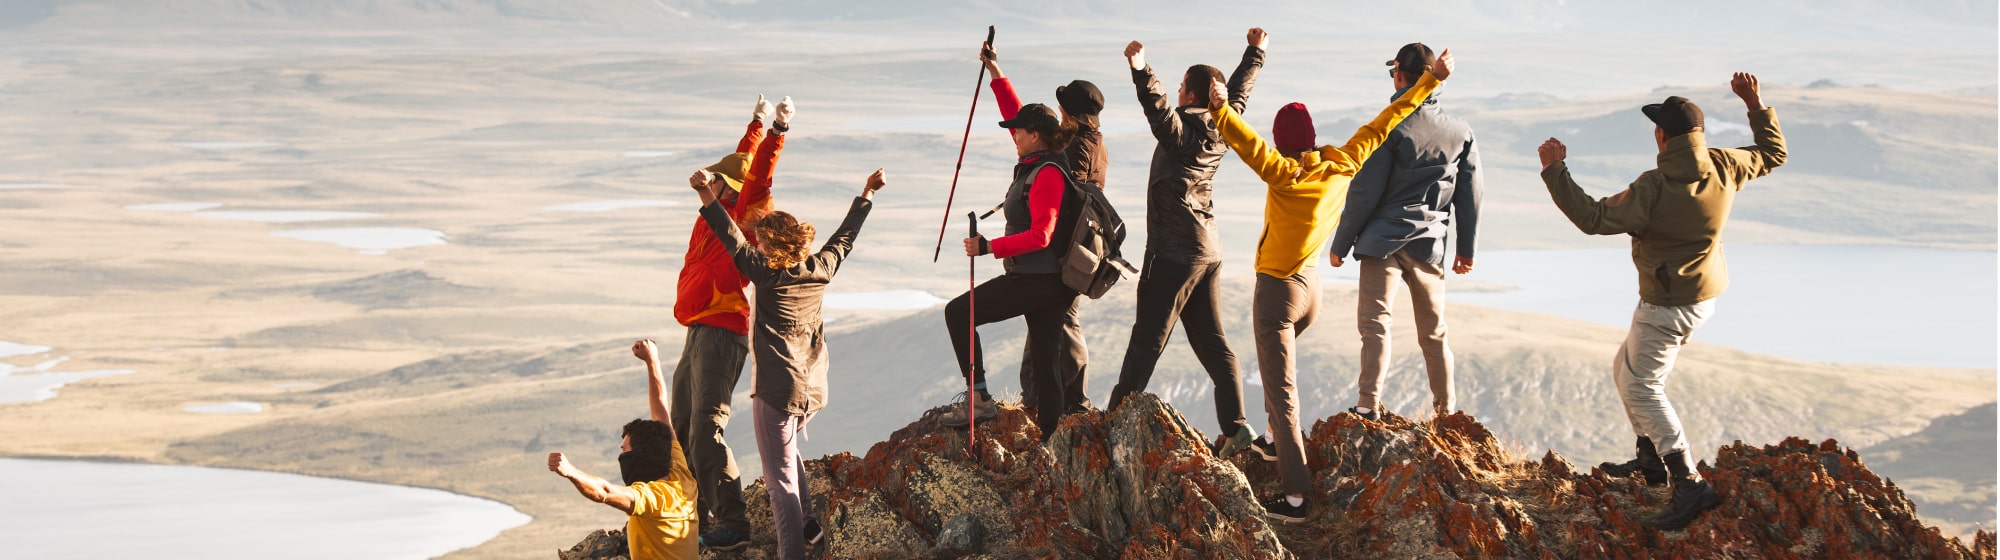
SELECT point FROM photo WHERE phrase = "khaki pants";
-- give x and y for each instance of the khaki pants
(1643, 362)
(1378, 293)
(1280, 309)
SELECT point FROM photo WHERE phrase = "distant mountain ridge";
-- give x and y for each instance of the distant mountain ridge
(1913, 23)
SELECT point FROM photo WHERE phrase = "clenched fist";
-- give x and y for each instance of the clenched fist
(1552, 151)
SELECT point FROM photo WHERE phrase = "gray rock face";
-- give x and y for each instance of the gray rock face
(962, 536)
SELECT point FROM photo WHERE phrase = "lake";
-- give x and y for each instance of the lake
(1842, 304)
(82, 509)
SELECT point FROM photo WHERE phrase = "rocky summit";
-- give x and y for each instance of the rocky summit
(1139, 482)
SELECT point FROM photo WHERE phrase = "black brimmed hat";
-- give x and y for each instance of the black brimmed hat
(1413, 58)
(1676, 115)
(1080, 98)
(1036, 117)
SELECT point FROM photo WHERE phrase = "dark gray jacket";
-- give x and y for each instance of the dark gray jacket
(1180, 218)
(788, 336)
(1408, 193)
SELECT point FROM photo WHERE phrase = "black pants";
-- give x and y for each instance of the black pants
(1044, 301)
(1170, 290)
(1071, 372)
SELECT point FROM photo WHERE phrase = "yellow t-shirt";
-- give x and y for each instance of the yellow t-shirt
(662, 525)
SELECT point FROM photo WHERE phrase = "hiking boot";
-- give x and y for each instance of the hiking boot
(983, 410)
(1232, 444)
(1647, 463)
(1373, 414)
(813, 532)
(723, 540)
(1280, 509)
(1264, 448)
(1691, 497)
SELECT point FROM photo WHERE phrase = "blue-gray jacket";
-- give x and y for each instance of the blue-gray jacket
(1407, 194)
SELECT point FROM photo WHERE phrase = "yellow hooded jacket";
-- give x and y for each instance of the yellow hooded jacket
(1306, 194)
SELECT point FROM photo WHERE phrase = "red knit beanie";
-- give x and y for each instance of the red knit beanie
(1293, 130)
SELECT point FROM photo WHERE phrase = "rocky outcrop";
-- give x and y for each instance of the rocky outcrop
(1139, 482)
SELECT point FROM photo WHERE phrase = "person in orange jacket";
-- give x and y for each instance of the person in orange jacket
(710, 303)
(1308, 187)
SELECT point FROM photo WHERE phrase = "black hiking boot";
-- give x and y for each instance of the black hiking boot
(1279, 508)
(813, 532)
(1373, 414)
(1265, 449)
(1647, 463)
(1691, 495)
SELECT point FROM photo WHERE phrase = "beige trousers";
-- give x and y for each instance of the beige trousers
(1379, 281)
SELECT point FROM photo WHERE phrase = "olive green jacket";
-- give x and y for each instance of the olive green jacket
(1675, 213)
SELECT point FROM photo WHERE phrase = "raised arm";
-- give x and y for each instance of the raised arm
(593, 488)
(754, 132)
(1768, 152)
(1003, 88)
(838, 245)
(1273, 167)
(1245, 76)
(756, 195)
(1625, 212)
(1348, 157)
(656, 382)
(1160, 116)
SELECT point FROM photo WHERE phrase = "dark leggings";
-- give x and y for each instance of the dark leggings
(1045, 302)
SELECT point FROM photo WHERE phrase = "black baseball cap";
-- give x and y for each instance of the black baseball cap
(1080, 98)
(1413, 59)
(1676, 115)
(1036, 117)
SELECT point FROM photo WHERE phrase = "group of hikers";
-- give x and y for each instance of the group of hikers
(1388, 198)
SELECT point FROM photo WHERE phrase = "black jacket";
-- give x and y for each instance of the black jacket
(1180, 217)
(788, 337)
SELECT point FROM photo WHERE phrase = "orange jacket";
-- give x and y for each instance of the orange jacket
(710, 291)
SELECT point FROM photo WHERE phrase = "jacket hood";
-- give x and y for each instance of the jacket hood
(1686, 158)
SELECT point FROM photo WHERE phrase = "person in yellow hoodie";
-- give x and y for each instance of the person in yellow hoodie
(1308, 187)
(659, 494)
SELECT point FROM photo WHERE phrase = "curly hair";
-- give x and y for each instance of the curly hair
(783, 238)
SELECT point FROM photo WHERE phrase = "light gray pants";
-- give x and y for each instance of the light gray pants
(1643, 362)
(1379, 279)
(784, 475)
(1280, 309)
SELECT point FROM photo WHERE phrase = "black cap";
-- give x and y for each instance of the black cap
(1080, 98)
(1413, 58)
(1676, 115)
(1036, 117)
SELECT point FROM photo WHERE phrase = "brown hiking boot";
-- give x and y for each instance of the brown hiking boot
(1646, 463)
(983, 409)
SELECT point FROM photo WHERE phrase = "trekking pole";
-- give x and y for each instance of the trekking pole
(960, 166)
(972, 341)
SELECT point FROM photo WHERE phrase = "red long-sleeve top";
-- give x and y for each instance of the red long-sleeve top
(1044, 196)
(710, 291)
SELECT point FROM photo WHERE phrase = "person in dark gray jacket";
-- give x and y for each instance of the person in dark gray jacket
(1183, 258)
(1399, 215)
(789, 342)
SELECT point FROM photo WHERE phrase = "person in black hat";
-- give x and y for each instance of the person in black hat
(1082, 148)
(1040, 210)
(1421, 189)
(1675, 214)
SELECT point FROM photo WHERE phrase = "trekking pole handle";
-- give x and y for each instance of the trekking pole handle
(972, 223)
